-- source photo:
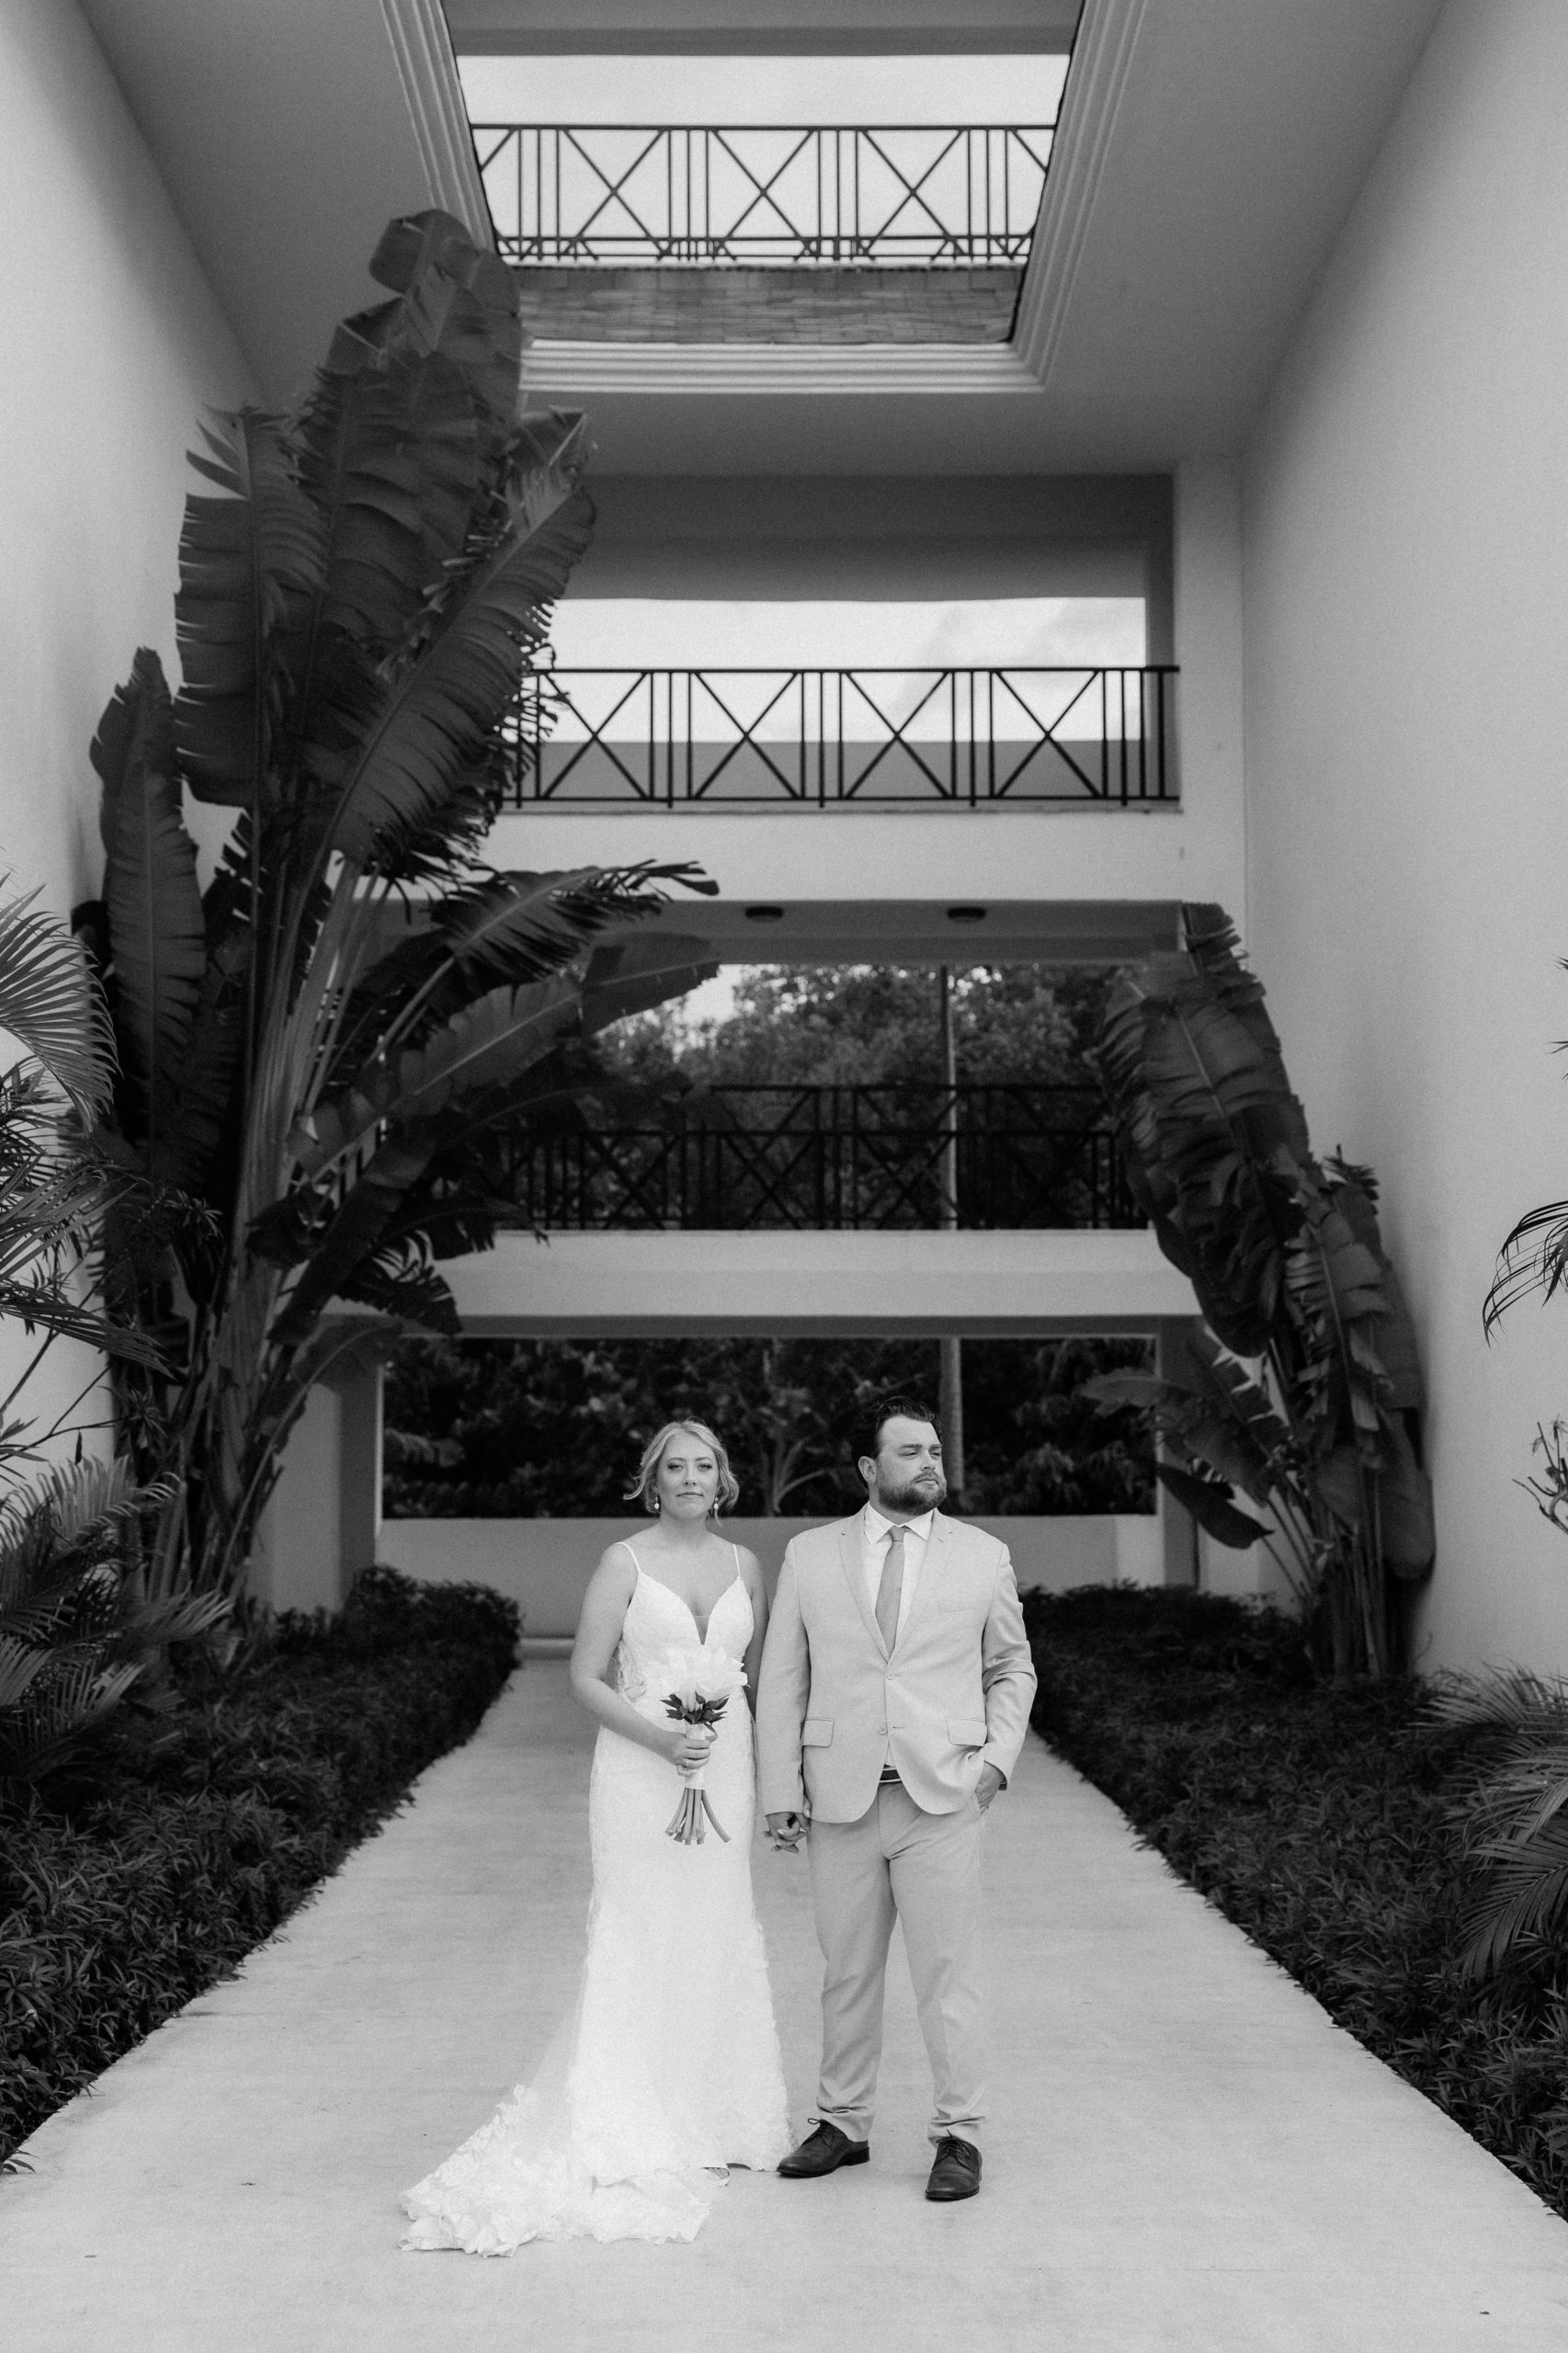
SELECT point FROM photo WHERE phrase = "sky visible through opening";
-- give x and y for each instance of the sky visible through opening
(947, 90)
(992, 631)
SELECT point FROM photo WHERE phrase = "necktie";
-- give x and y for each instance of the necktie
(890, 1590)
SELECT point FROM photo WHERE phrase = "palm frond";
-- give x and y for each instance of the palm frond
(52, 1004)
(1514, 1700)
(1524, 1902)
(1543, 1267)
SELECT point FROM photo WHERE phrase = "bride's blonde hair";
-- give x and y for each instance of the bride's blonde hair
(643, 1488)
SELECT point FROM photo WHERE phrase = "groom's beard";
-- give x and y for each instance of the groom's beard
(916, 1496)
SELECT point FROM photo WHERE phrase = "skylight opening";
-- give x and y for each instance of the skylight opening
(670, 90)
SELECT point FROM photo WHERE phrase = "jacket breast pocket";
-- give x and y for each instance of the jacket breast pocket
(967, 1732)
(817, 1732)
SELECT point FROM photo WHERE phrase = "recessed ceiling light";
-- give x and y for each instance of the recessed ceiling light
(966, 914)
(765, 914)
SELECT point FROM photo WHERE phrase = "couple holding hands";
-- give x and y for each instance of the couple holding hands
(891, 1687)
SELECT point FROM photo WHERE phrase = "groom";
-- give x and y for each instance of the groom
(891, 1705)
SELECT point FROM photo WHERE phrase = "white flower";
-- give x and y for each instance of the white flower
(692, 1674)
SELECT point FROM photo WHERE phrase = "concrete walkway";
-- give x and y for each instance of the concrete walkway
(1185, 2152)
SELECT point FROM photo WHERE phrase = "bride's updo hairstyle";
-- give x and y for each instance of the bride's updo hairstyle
(643, 1489)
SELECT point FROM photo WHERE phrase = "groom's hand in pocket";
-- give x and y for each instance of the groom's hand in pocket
(786, 1830)
(985, 1788)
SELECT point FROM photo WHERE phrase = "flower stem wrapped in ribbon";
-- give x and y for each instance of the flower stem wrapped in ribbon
(702, 1684)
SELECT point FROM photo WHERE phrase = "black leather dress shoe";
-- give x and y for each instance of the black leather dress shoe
(956, 2173)
(824, 2151)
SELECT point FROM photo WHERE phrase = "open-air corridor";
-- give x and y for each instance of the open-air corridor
(1185, 2154)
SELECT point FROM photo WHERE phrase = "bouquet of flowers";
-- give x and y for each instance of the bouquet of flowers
(702, 1683)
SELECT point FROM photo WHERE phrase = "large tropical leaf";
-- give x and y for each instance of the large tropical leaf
(1209, 1118)
(502, 927)
(353, 1233)
(1406, 1520)
(404, 443)
(1211, 1505)
(247, 560)
(202, 1106)
(630, 975)
(1118, 1058)
(1335, 1288)
(1216, 1413)
(1401, 1388)
(1213, 947)
(459, 299)
(440, 711)
(158, 935)
(483, 1046)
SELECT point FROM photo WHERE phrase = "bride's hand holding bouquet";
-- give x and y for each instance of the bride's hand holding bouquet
(687, 1745)
(702, 1682)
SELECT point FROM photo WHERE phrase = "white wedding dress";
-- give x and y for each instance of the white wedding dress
(666, 2070)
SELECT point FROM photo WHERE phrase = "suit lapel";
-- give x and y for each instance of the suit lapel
(932, 1569)
(849, 1539)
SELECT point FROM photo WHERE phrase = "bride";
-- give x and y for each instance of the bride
(666, 2070)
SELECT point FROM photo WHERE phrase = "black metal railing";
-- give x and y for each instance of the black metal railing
(763, 193)
(831, 1159)
(778, 738)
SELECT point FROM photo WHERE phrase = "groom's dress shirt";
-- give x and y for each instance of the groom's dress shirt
(875, 1534)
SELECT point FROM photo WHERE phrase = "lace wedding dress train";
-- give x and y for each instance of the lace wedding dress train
(667, 2071)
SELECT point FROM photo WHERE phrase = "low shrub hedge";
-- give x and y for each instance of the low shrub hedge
(1318, 1819)
(167, 1851)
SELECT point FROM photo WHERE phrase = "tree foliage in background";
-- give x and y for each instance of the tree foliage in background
(1302, 1388)
(552, 1429)
(315, 1049)
(876, 1025)
(492, 1429)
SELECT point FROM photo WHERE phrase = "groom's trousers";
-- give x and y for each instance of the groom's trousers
(924, 1870)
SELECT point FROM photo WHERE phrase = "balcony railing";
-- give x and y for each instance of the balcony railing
(831, 1159)
(810, 738)
(760, 194)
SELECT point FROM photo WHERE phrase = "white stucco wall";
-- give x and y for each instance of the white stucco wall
(545, 1564)
(1406, 626)
(114, 344)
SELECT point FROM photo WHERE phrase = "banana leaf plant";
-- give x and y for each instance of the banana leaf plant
(314, 1047)
(1300, 1390)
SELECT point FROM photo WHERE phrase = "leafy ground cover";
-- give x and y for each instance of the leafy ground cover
(1319, 1819)
(149, 1868)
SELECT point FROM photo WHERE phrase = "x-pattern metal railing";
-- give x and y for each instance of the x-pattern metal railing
(763, 193)
(809, 738)
(830, 1159)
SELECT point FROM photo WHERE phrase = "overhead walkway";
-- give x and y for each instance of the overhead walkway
(982, 1284)
(1186, 2155)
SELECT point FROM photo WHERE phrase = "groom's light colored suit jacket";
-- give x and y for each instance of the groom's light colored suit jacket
(953, 1694)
